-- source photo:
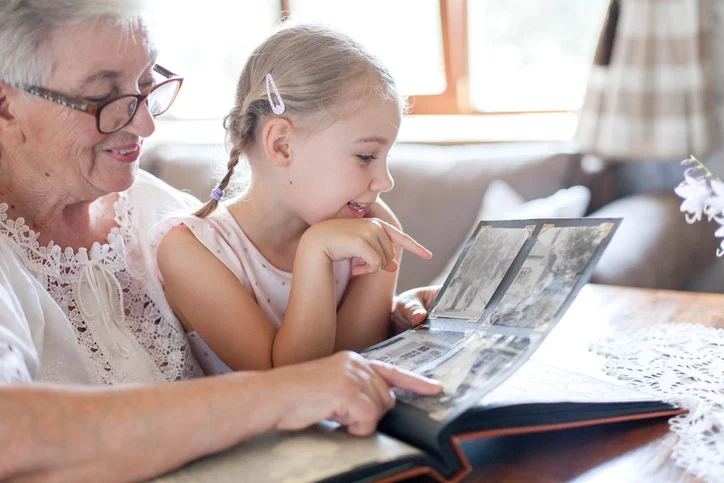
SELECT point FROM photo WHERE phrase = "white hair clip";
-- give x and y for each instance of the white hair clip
(279, 107)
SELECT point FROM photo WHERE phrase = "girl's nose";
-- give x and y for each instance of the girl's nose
(383, 181)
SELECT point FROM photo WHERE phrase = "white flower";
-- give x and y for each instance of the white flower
(695, 192)
(719, 233)
(703, 193)
(715, 204)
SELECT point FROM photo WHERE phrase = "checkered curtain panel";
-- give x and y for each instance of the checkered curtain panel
(650, 92)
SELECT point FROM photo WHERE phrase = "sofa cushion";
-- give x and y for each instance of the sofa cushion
(194, 168)
(711, 279)
(653, 247)
(501, 202)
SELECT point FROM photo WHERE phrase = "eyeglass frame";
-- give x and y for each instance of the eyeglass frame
(95, 108)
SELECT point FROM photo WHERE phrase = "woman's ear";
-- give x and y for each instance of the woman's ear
(276, 139)
(9, 125)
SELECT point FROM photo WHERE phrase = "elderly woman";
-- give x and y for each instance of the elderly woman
(79, 301)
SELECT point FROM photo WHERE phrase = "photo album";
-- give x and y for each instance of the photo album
(511, 284)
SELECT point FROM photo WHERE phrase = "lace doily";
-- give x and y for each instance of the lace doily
(117, 270)
(682, 364)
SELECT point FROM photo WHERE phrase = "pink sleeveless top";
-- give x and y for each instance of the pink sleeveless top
(268, 286)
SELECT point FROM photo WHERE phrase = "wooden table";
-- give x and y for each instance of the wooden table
(625, 452)
(635, 452)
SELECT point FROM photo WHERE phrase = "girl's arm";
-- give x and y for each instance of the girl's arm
(363, 318)
(207, 297)
(310, 326)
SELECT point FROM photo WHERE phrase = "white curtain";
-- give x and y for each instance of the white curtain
(651, 91)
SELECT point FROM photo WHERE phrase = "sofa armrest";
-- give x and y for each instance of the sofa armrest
(654, 247)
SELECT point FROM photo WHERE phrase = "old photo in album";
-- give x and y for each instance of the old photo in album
(510, 285)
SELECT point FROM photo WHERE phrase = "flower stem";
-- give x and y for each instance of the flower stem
(701, 166)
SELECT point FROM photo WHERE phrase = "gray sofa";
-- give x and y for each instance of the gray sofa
(438, 191)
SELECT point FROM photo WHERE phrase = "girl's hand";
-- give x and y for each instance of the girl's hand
(410, 308)
(380, 210)
(370, 241)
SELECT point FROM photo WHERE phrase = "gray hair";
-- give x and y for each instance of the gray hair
(27, 25)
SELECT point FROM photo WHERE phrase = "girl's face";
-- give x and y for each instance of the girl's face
(340, 171)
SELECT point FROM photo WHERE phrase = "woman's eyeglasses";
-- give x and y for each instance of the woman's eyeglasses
(115, 114)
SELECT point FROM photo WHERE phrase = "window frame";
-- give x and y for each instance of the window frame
(455, 100)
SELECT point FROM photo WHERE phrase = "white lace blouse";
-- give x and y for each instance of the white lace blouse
(94, 316)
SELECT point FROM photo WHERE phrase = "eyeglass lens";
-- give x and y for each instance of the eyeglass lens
(120, 112)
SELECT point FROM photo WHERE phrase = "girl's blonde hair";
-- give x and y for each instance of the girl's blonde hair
(315, 69)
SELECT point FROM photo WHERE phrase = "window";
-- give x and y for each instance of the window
(207, 43)
(410, 45)
(531, 55)
(453, 56)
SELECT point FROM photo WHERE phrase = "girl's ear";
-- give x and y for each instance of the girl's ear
(276, 139)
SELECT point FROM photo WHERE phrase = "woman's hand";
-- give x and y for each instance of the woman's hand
(345, 388)
(410, 308)
(369, 241)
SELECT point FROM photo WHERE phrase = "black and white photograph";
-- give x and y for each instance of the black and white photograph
(465, 374)
(414, 348)
(548, 275)
(478, 275)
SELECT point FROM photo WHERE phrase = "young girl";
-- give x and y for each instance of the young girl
(304, 262)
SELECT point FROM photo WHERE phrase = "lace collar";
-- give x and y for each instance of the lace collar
(59, 263)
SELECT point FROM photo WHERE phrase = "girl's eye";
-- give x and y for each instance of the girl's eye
(366, 158)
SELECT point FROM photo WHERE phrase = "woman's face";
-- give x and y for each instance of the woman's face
(61, 146)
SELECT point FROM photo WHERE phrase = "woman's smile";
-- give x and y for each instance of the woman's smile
(128, 153)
